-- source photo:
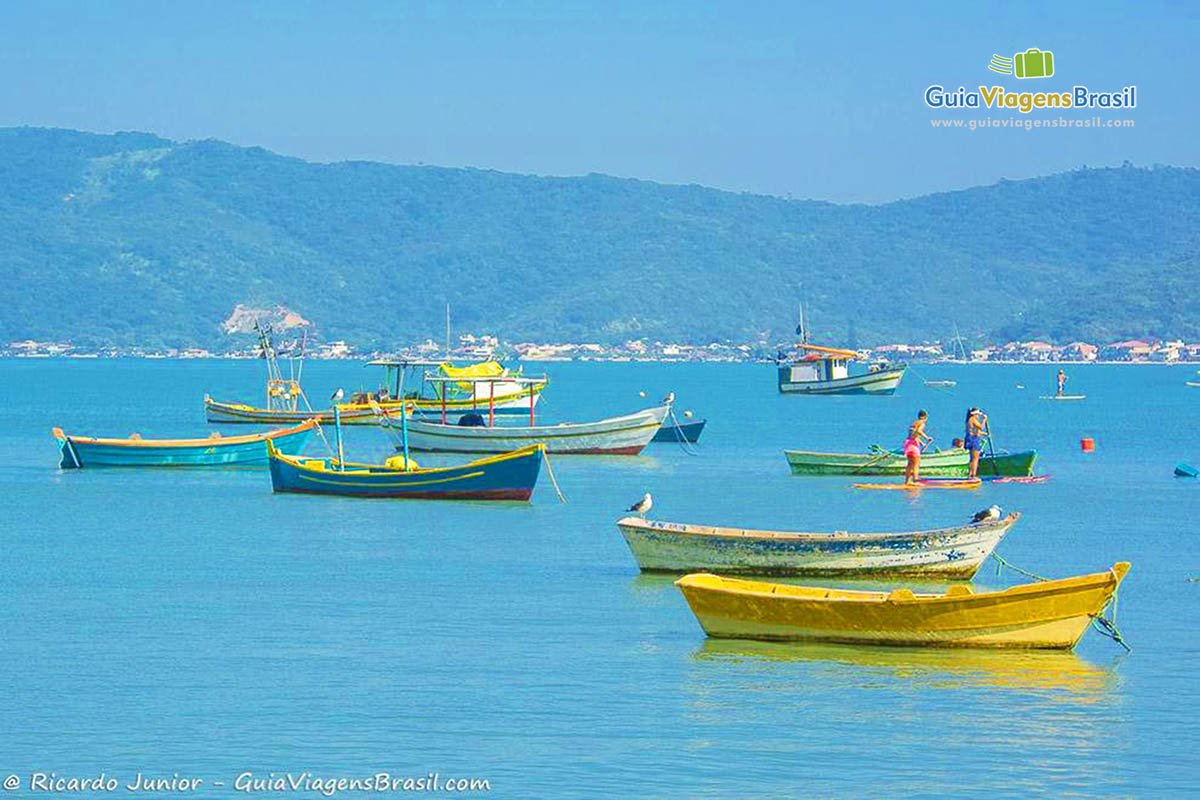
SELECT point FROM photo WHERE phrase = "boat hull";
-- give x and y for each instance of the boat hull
(511, 476)
(948, 552)
(235, 451)
(683, 432)
(1051, 614)
(627, 435)
(881, 383)
(1008, 465)
(947, 463)
(517, 403)
(954, 463)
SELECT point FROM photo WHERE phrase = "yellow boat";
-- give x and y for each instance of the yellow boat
(1049, 614)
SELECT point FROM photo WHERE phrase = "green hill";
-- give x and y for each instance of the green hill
(132, 239)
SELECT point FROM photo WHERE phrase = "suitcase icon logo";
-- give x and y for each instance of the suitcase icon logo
(1033, 63)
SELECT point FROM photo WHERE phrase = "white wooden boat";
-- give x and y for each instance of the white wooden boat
(626, 435)
(676, 547)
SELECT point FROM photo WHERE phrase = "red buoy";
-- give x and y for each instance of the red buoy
(1087, 444)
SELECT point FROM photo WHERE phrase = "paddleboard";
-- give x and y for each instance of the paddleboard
(1018, 479)
(949, 483)
(1063, 396)
(1193, 383)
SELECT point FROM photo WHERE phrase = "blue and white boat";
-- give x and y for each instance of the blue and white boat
(213, 451)
(826, 370)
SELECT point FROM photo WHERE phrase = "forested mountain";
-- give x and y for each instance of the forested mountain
(131, 239)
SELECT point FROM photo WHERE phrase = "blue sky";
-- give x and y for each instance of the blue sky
(779, 98)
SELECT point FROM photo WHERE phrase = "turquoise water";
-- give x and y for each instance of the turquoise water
(192, 622)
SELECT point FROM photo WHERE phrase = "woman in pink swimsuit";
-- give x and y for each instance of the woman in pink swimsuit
(912, 447)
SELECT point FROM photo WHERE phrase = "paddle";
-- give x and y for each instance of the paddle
(872, 462)
(991, 448)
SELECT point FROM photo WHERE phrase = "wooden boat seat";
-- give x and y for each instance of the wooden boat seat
(899, 595)
(958, 590)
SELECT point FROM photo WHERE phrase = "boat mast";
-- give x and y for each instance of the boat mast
(802, 328)
(447, 331)
(959, 347)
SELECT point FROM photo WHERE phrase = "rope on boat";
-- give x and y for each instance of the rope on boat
(683, 442)
(1001, 562)
(553, 480)
(883, 454)
(321, 436)
(1104, 625)
(921, 375)
(1107, 626)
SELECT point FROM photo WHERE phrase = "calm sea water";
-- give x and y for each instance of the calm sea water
(192, 622)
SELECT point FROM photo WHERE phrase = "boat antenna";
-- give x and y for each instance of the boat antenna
(802, 328)
(303, 347)
(447, 330)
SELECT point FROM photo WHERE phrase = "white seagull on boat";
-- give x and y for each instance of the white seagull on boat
(987, 515)
(643, 505)
(669, 399)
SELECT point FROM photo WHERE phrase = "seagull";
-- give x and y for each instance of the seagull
(337, 396)
(987, 515)
(643, 505)
(670, 398)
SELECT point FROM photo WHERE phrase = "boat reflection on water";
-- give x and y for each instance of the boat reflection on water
(1055, 675)
(1050, 674)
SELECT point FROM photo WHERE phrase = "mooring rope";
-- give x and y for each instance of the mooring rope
(683, 442)
(321, 436)
(1001, 562)
(553, 480)
(1106, 626)
(921, 375)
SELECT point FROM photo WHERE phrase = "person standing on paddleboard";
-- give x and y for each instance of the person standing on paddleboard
(912, 447)
(973, 439)
(1062, 381)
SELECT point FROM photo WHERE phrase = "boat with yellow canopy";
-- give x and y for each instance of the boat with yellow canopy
(454, 395)
(1049, 614)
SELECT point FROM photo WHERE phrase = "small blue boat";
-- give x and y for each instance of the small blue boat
(508, 476)
(1186, 471)
(214, 451)
(673, 431)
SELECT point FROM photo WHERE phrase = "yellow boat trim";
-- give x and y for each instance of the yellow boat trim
(382, 485)
(766, 589)
(299, 462)
(212, 441)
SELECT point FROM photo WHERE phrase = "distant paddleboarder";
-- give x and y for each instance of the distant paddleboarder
(1062, 381)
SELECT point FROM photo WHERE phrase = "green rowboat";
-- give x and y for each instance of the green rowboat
(952, 463)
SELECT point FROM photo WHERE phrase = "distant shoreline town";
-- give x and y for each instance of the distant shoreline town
(472, 347)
